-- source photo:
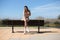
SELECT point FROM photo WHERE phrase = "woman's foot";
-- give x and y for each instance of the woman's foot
(27, 29)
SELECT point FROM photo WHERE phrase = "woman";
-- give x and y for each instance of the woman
(26, 18)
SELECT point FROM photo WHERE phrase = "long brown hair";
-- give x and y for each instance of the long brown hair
(27, 10)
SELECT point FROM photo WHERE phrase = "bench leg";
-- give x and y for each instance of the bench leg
(38, 29)
(12, 29)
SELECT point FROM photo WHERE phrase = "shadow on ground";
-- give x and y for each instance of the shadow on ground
(35, 32)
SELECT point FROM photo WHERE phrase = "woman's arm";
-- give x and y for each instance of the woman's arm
(29, 13)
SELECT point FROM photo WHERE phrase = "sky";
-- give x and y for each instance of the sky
(13, 9)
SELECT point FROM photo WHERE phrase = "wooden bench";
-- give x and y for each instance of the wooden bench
(21, 23)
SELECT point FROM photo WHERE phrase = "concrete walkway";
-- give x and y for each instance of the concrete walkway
(46, 34)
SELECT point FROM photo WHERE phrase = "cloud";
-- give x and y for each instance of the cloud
(49, 10)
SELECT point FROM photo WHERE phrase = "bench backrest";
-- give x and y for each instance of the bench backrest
(20, 22)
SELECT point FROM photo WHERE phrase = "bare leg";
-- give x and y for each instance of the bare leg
(24, 26)
(27, 29)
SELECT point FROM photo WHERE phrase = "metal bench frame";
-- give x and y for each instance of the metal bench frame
(20, 22)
